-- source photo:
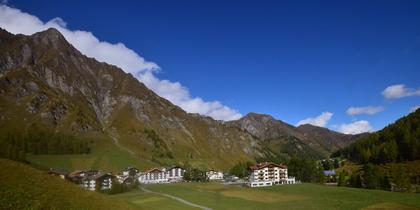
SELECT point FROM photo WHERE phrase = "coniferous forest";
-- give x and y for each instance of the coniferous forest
(395, 143)
(15, 146)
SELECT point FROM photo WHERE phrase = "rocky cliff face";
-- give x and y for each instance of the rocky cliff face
(45, 82)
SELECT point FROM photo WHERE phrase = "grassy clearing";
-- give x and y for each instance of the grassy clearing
(299, 196)
(105, 156)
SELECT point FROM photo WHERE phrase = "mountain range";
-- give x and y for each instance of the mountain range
(48, 85)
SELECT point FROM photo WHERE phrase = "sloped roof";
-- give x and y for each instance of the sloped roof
(266, 164)
(58, 171)
(153, 170)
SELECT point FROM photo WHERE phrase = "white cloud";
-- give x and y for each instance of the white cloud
(414, 108)
(16, 21)
(370, 110)
(399, 91)
(320, 120)
(356, 127)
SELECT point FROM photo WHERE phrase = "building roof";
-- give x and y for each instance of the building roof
(266, 164)
(75, 173)
(99, 175)
(153, 170)
(329, 172)
(171, 167)
(58, 171)
(130, 168)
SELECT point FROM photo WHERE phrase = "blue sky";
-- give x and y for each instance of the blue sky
(289, 59)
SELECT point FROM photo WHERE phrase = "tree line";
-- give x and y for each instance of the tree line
(15, 146)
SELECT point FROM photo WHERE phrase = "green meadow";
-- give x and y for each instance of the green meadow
(105, 156)
(298, 196)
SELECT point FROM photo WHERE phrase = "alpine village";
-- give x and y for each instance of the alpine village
(79, 133)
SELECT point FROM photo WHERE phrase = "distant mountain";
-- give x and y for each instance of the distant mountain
(281, 137)
(398, 142)
(55, 100)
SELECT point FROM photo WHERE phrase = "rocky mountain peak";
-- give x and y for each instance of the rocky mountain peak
(257, 116)
(51, 37)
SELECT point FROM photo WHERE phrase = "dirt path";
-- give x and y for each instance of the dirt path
(177, 199)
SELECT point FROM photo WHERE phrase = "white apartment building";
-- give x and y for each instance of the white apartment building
(175, 174)
(268, 174)
(164, 175)
(153, 176)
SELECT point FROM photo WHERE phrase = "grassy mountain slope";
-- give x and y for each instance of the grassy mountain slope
(23, 187)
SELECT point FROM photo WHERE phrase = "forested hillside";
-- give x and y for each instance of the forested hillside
(397, 142)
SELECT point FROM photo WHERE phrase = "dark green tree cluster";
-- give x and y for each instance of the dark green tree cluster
(16, 146)
(371, 177)
(117, 188)
(195, 175)
(395, 143)
(330, 164)
(305, 170)
(241, 169)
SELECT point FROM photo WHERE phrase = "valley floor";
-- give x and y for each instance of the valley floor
(298, 196)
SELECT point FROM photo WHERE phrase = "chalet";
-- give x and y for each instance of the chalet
(153, 175)
(175, 174)
(80, 177)
(330, 176)
(58, 172)
(128, 176)
(268, 174)
(214, 175)
(130, 171)
(100, 181)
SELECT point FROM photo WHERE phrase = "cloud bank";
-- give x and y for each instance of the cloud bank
(320, 120)
(356, 127)
(15, 21)
(370, 110)
(399, 91)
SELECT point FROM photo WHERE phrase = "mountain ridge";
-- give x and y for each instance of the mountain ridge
(48, 84)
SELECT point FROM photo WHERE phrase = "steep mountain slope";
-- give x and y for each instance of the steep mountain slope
(23, 187)
(282, 139)
(46, 84)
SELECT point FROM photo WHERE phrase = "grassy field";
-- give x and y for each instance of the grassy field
(105, 156)
(299, 196)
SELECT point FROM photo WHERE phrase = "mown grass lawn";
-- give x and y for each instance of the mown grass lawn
(299, 196)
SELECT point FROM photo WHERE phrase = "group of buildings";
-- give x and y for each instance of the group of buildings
(261, 175)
